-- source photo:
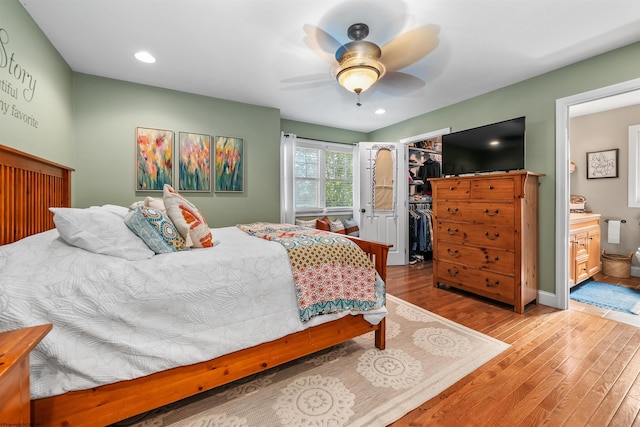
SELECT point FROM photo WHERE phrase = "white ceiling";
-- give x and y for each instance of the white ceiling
(254, 51)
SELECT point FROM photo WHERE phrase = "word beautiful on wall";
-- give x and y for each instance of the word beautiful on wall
(19, 83)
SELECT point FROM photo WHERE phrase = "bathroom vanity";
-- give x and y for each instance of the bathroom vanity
(584, 247)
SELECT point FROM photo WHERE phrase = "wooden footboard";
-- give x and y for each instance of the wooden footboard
(28, 187)
(114, 402)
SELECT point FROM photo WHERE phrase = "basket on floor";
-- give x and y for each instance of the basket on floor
(616, 265)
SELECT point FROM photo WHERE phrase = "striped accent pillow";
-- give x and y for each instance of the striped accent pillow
(351, 227)
(337, 226)
(311, 223)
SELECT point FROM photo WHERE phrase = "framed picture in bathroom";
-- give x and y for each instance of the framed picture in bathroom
(602, 164)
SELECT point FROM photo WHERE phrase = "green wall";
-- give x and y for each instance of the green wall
(36, 121)
(107, 114)
(325, 133)
(534, 98)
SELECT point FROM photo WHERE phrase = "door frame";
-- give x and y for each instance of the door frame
(561, 297)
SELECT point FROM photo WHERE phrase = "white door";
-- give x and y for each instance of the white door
(383, 196)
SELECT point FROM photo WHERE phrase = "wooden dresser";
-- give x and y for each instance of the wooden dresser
(15, 396)
(486, 235)
(584, 247)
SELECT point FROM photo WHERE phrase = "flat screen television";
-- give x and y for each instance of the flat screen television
(498, 147)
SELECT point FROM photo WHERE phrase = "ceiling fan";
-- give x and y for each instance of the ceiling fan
(360, 64)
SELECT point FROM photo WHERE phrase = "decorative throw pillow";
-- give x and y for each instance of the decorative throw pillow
(150, 202)
(101, 231)
(306, 223)
(337, 226)
(187, 218)
(323, 224)
(351, 227)
(155, 229)
(155, 203)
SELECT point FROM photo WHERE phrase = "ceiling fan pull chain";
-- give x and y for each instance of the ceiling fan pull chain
(358, 99)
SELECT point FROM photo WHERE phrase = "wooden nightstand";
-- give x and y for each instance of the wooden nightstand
(15, 398)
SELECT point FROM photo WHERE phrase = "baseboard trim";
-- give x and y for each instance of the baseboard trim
(547, 298)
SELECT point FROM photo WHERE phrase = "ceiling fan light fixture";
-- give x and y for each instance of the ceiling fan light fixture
(359, 61)
(358, 78)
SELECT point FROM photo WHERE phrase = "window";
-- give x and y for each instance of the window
(323, 177)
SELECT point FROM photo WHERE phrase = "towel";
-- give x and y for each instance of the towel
(614, 231)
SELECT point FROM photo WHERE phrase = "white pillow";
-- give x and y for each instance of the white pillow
(101, 231)
(121, 211)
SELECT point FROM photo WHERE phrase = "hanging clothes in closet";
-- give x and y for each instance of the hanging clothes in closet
(420, 231)
(429, 169)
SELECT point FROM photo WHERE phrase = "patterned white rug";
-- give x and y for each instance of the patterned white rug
(352, 384)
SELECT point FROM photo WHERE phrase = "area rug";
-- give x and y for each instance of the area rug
(605, 295)
(351, 384)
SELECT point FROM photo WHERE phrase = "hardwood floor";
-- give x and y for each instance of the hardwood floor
(564, 367)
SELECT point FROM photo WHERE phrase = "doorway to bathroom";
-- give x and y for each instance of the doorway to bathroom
(588, 123)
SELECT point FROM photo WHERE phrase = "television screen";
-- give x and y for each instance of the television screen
(498, 147)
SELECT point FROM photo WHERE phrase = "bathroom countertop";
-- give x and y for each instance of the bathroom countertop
(579, 217)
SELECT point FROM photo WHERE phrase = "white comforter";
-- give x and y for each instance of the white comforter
(115, 319)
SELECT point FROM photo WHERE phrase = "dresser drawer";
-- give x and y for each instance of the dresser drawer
(453, 189)
(480, 212)
(496, 260)
(492, 285)
(503, 189)
(477, 234)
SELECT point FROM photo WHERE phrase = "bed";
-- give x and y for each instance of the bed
(29, 186)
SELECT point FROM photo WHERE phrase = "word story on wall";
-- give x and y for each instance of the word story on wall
(16, 83)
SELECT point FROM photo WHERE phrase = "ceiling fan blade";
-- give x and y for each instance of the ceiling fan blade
(396, 83)
(307, 82)
(321, 42)
(410, 47)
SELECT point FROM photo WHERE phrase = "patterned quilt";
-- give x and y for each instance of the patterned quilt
(330, 272)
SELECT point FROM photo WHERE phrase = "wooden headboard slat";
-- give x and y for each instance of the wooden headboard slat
(29, 186)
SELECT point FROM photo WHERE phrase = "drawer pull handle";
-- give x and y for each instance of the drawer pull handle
(452, 252)
(452, 273)
(490, 237)
(495, 212)
(495, 259)
(491, 187)
(452, 211)
(491, 285)
(452, 188)
(452, 232)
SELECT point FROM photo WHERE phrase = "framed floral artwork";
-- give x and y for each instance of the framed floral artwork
(154, 159)
(194, 162)
(229, 164)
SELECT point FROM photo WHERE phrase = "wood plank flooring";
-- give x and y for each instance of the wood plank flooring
(564, 367)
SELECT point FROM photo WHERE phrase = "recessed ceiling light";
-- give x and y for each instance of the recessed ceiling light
(494, 142)
(380, 111)
(145, 57)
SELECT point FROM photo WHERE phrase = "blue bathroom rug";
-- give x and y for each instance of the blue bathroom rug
(605, 295)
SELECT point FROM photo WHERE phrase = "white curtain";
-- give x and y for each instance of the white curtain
(287, 181)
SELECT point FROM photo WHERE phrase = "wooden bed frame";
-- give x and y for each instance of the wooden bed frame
(28, 187)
